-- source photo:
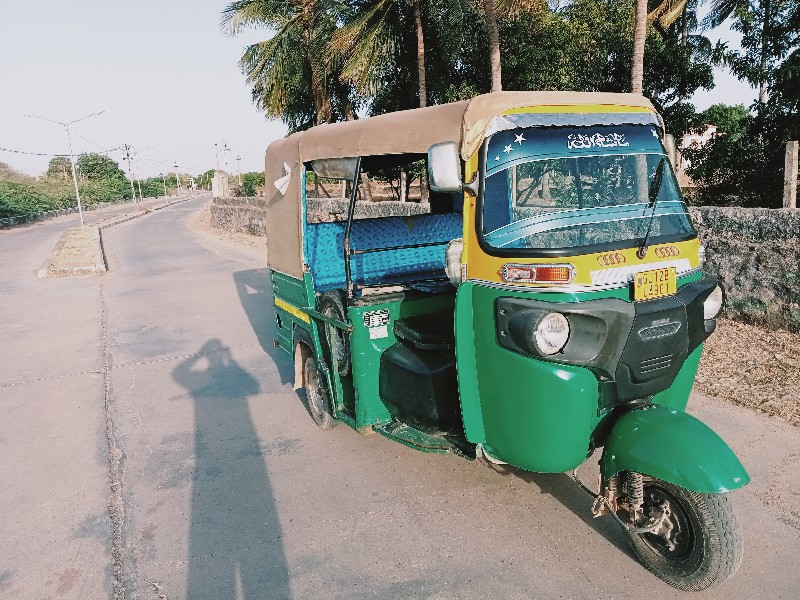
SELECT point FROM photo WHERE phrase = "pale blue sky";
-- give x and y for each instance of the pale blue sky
(166, 76)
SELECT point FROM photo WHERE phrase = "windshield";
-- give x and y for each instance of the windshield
(549, 189)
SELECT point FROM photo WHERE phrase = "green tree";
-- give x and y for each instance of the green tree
(374, 50)
(251, 181)
(289, 74)
(98, 166)
(766, 39)
(59, 166)
(731, 120)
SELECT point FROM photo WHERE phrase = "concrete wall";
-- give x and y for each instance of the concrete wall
(240, 215)
(754, 252)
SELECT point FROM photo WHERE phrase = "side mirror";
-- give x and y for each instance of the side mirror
(444, 168)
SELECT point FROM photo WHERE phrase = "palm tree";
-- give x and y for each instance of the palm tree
(639, 36)
(284, 69)
(506, 9)
(372, 41)
(722, 9)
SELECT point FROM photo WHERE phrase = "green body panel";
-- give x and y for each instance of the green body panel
(533, 414)
(670, 445)
(677, 395)
(293, 291)
(366, 351)
(545, 426)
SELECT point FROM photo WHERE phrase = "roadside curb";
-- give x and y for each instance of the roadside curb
(51, 267)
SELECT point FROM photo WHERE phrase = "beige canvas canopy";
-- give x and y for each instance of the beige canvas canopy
(402, 132)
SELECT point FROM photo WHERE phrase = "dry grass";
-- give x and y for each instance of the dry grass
(753, 367)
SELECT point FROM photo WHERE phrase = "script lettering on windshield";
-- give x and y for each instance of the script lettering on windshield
(596, 140)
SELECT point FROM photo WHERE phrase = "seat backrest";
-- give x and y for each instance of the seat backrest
(324, 248)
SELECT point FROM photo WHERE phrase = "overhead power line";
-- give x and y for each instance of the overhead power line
(66, 154)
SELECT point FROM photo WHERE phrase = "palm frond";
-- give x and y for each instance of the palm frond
(241, 14)
(513, 8)
(667, 12)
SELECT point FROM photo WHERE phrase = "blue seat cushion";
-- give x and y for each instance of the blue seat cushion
(324, 249)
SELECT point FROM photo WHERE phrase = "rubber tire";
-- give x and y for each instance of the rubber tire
(319, 403)
(714, 555)
(331, 304)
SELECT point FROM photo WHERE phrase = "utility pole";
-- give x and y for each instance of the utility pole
(164, 179)
(178, 179)
(130, 171)
(239, 169)
(71, 155)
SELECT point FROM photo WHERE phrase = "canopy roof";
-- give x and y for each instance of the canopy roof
(406, 132)
(414, 131)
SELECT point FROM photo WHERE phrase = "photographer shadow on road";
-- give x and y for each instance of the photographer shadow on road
(254, 287)
(235, 548)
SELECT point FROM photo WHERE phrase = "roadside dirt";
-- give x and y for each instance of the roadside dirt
(202, 222)
(742, 364)
(753, 367)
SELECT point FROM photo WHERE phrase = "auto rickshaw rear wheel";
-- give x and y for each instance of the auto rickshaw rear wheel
(332, 305)
(319, 400)
(699, 545)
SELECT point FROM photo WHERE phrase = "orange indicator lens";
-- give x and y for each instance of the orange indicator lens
(553, 274)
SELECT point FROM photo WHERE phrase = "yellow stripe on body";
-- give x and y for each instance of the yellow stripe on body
(292, 310)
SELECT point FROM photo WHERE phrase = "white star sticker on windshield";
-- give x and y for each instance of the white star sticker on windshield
(655, 134)
(519, 139)
(497, 158)
(507, 149)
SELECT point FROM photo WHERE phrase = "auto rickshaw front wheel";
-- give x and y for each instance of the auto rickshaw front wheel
(697, 546)
(319, 400)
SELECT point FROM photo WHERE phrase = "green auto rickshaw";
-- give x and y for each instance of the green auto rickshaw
(513, 277)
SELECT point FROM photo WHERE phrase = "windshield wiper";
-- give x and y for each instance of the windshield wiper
(655, 188)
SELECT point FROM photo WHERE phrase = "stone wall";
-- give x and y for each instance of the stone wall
(756, 255)
(247, 215)
(755, 252)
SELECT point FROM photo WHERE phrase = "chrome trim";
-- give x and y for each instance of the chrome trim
(626, 274)
(562, 288)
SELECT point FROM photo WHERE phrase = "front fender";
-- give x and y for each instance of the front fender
(673, 446)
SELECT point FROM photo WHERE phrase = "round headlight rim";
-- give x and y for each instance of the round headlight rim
(537, 332)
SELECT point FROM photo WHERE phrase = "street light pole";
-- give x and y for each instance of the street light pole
(71, 155)
(74, 177)
(130, 171)
(178, 179)
(239, 169)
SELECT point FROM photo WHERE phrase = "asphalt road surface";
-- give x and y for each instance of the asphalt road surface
(151, 446)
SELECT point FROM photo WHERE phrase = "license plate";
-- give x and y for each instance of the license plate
(656, 283)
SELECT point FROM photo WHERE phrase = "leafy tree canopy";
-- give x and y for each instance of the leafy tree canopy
(97, 166)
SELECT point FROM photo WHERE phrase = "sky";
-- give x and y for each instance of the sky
(166, 76)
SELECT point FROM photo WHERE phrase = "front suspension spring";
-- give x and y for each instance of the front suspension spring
(634, 489)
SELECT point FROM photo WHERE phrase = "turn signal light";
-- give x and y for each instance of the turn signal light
(537, 273)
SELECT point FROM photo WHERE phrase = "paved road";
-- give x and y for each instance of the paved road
(206, 478)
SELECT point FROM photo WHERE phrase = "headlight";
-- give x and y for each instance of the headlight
(551, 333)
(713, 304)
